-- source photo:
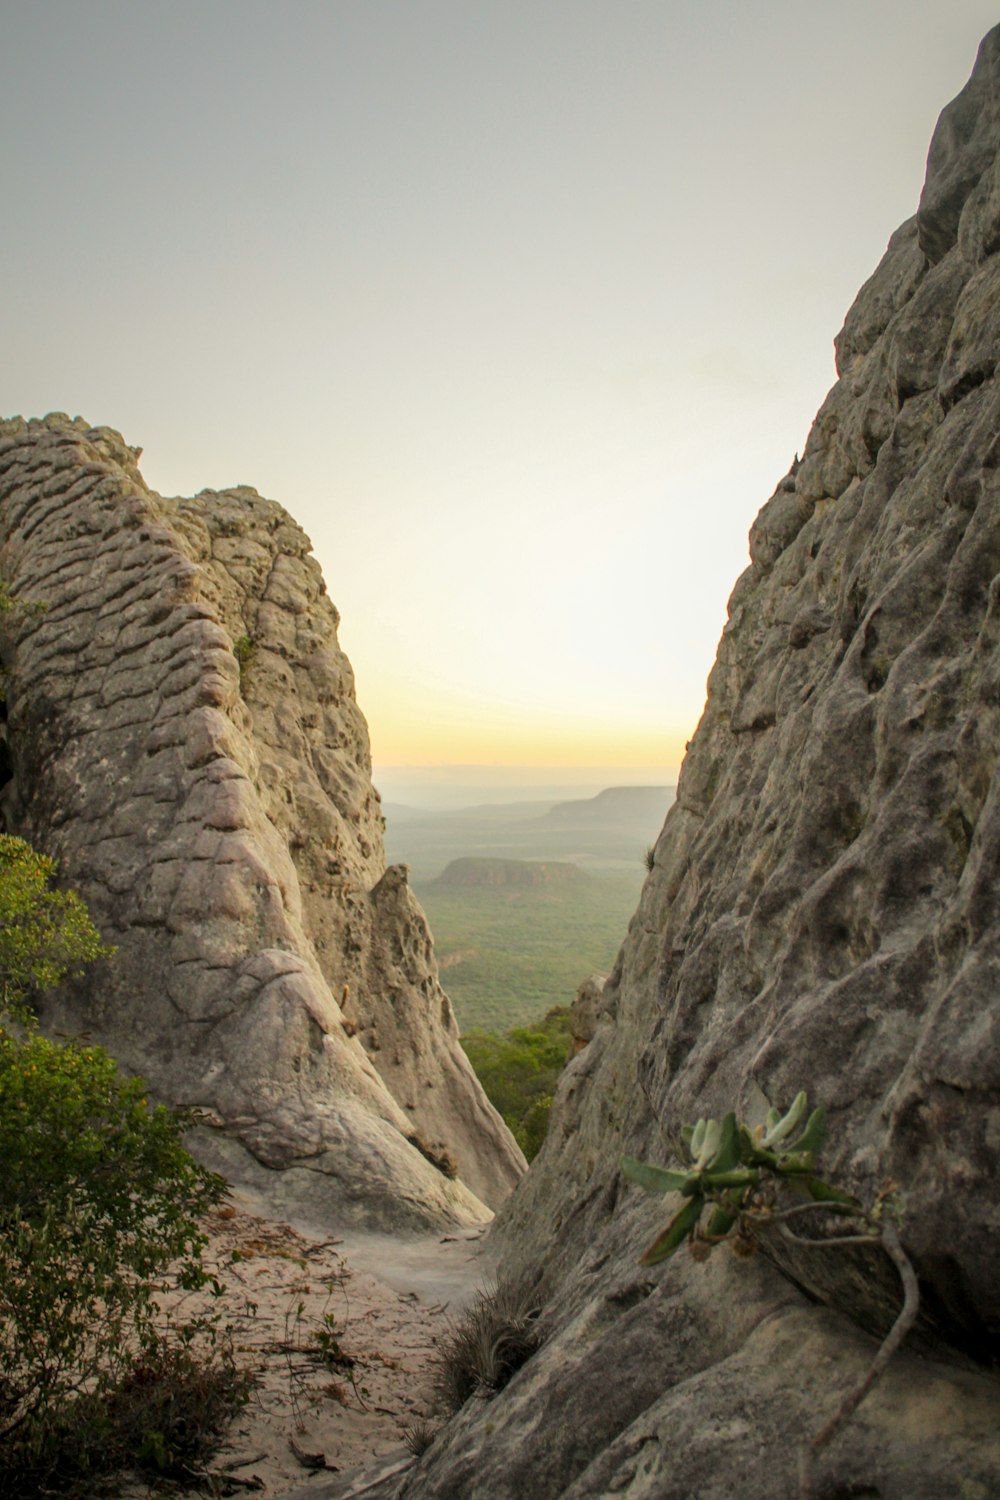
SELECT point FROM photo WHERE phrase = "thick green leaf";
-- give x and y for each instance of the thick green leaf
(746, 1145)
(738, 1177)
(814, 1134)
(792, 1163)
(727, 1153)
(710, 1142)
(653, 1179)
(789, 1122)
(825, 1192)
(720, 1224)
(724, 1215)
(676, 1232)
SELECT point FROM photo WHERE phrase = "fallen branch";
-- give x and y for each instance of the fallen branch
(222, 1476)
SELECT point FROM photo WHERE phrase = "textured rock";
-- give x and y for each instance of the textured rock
(822, 914)
(182, 733)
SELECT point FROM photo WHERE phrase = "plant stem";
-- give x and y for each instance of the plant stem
(837, 1239)
(897, 1333)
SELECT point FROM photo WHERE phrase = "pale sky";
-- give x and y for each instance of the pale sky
(521, 309)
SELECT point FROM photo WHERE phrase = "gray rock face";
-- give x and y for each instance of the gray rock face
(183, 735)
(822, 914)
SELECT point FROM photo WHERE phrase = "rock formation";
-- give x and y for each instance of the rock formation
(182, 734)
(822, 914)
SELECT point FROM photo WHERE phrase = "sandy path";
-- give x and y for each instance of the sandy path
(378, 1303)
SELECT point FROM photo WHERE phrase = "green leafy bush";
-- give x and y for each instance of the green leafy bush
(518, 1071)
(99, 1213)
(98, 1199)
(45, 934)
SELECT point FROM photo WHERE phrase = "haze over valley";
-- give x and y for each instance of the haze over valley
(526, 898)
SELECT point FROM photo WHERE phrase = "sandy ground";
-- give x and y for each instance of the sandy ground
(341, 1336)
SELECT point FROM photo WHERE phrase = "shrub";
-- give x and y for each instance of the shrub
(732, 1192)
(97, 1199)
(44, 934)
(518, 1071)
(99, 1209)
(164, 1415)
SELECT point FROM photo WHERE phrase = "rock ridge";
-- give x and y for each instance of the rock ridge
(181, 731)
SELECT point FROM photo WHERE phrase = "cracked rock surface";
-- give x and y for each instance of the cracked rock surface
(822, 915)
(182, 734)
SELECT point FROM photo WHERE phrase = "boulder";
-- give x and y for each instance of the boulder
(182, 734)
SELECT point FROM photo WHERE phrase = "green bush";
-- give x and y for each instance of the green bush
(98, 1200)
(44, 934)
(99, 1211)
(518, 1071)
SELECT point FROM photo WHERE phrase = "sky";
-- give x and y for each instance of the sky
(520, 307)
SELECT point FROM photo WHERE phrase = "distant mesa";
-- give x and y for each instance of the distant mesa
(519, 873)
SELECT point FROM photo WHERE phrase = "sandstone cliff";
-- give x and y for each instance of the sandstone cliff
(822, 914)
(182, 733)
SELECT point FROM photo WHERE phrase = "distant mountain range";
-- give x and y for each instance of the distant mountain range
(613, 828)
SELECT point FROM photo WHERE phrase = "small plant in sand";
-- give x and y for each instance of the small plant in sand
(738, 1187)
(312, 1346)
(419, 1436)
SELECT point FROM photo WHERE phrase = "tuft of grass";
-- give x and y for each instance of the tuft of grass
(651, 858)
(419, 1436)
(244, 649)
(495, 1336)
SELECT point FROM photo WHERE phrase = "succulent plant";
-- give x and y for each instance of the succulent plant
(731, 1165)
(735, 1176)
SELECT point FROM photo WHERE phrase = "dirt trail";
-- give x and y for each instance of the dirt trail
(340, 1332)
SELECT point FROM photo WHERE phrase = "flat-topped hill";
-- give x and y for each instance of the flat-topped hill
(516, 873)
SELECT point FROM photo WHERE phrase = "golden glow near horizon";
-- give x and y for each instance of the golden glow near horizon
(520, 310)
(434, 738)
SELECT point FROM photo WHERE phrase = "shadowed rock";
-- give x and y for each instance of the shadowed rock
(821, 914)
